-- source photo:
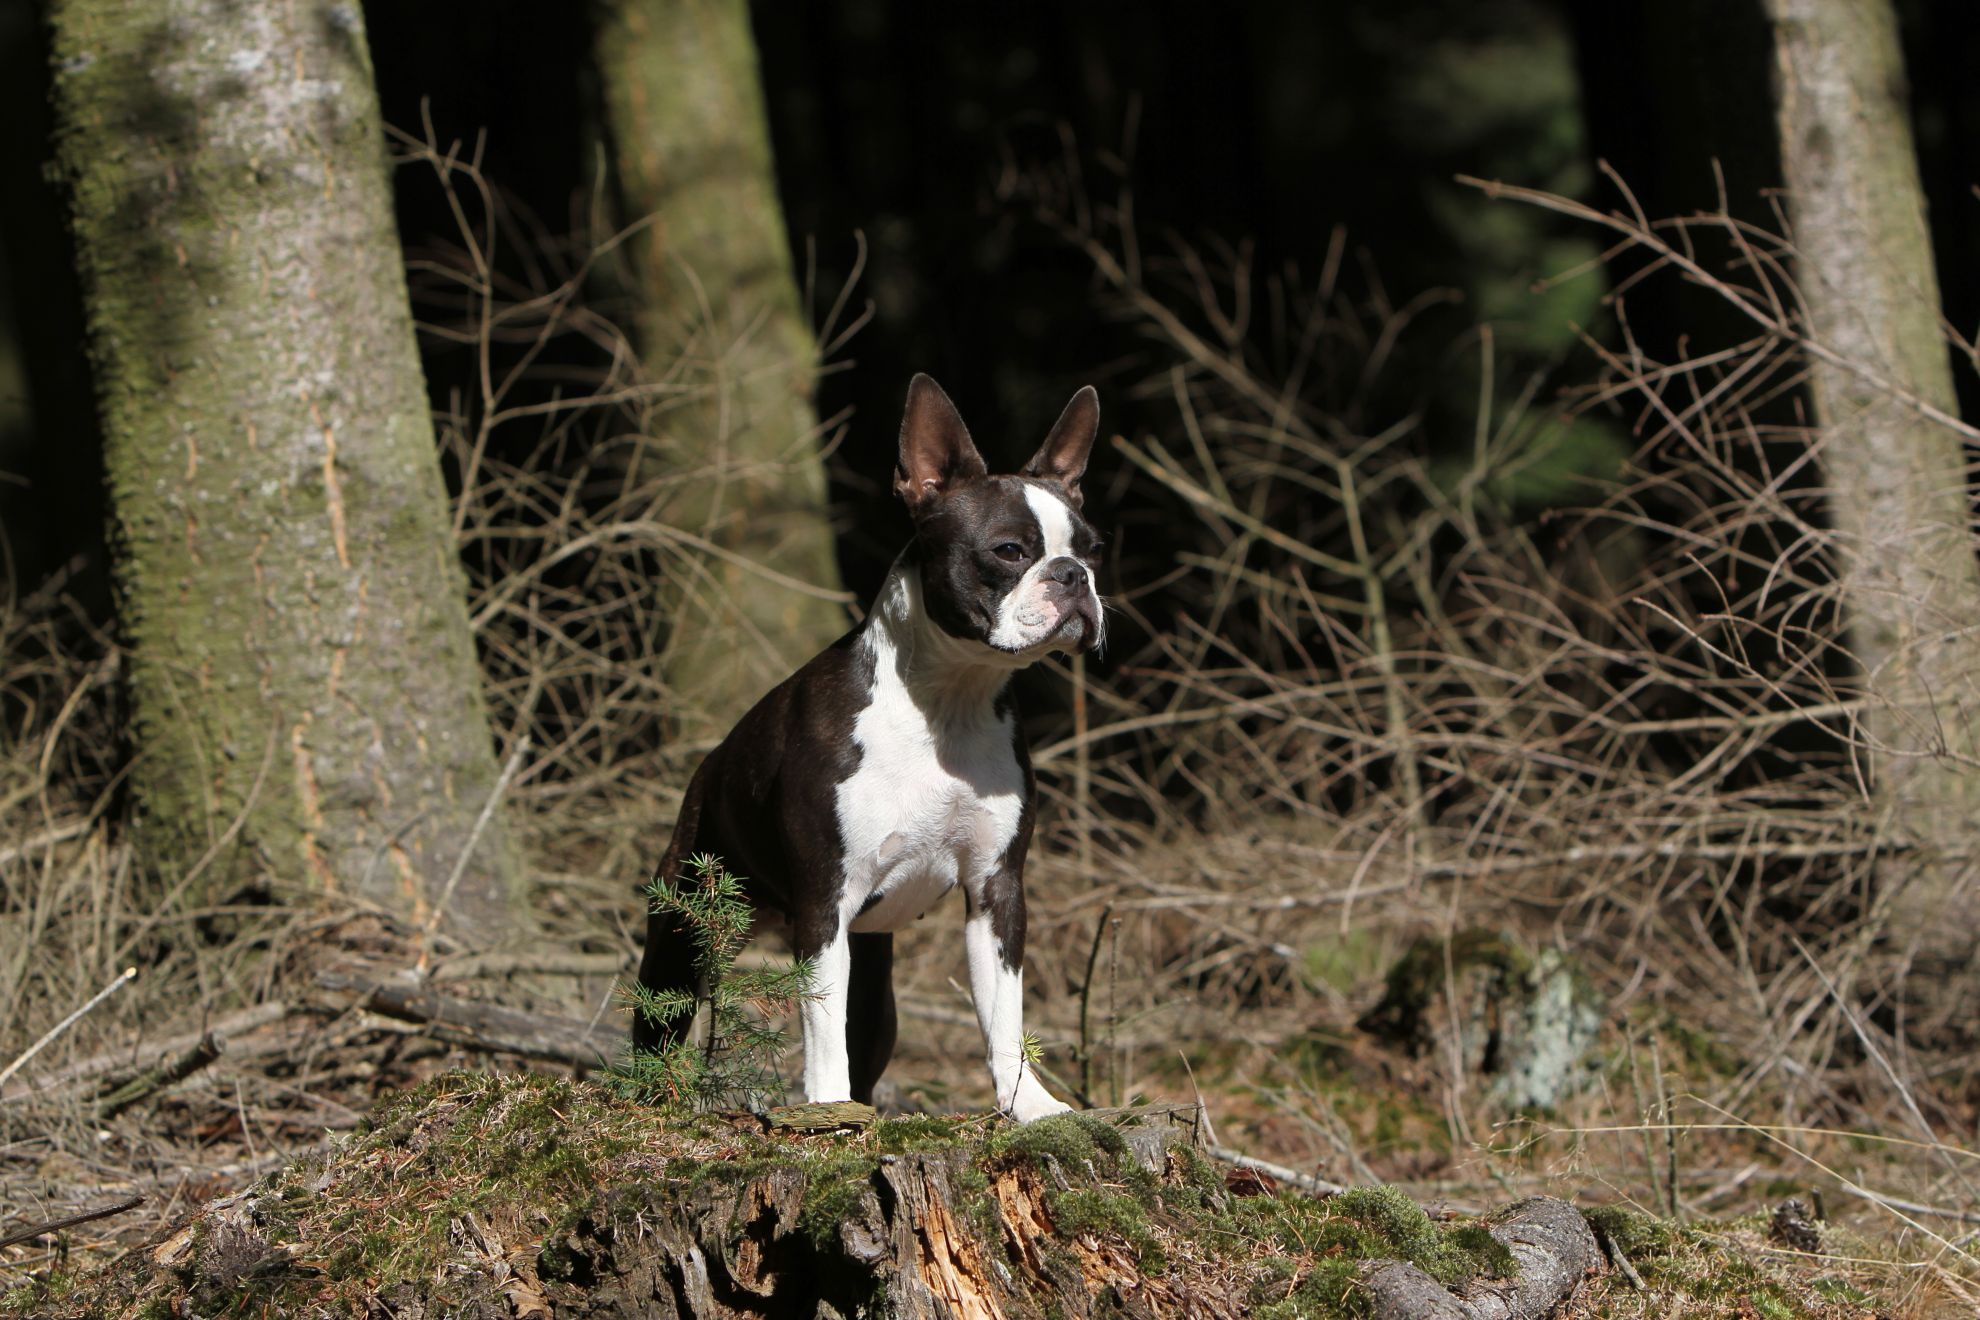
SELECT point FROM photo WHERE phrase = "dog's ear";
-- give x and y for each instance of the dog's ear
(1062, 458)
(936, 451)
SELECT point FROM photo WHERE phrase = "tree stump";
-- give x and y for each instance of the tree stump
(1525, 1022)
(524, 1197)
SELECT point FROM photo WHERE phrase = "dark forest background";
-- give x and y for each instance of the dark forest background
(1269, 126)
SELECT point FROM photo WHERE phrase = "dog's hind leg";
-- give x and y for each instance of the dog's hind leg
(870, 1020)
(668, 964)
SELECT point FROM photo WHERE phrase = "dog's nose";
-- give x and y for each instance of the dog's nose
(1066, 571)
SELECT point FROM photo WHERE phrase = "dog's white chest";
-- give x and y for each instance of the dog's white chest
(929, 807)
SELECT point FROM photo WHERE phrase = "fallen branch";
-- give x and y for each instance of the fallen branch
(72, 1221)
(60, 832)
(1915, 1207)
(118, 1098)
(478, 965)
(1306, 1182)
(1619, 1261)
(480, 1026)
(125, 1057)
(124, 978)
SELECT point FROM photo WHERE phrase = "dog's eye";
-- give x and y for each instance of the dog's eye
(1010, 552)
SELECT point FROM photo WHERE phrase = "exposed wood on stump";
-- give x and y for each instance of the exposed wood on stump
(915, 1233)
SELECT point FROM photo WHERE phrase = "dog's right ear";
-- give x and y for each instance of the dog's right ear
(936, 451)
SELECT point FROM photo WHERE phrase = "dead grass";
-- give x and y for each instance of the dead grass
(1373, 697)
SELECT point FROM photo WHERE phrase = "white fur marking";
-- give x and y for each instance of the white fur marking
(935, 801)
(1028, 617)
(827, 1070)
(999, 995)
(938, 793)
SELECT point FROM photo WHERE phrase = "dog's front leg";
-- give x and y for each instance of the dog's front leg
(827, 1072)
(994, 938)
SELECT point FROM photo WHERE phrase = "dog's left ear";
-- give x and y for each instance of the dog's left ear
(937, 454)
(1062, 458)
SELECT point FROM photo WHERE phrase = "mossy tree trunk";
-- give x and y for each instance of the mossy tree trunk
(721, 317)
(305, 694)
(1897, 477)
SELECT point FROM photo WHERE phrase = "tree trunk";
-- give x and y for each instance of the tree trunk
(1897, 477)
(721, 316)
(306, 701)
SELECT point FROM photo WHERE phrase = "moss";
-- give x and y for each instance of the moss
(1195, 1184)
(1110, 1214)
(1120, 1208)
(1389, 1214)
(917, 1132)
(1634, 1233)
(460, 1144)
(1080, 1143)
(36, 1295)
(835, 1187)
(1472, 1249)
(1075, 1140)
(1840, 1291)
(552, 1166)
(1331, 1289)
(1719, 1269)
(1771, 1306)
(1322, 1243)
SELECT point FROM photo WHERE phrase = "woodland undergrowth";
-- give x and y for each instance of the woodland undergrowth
(1573, 672)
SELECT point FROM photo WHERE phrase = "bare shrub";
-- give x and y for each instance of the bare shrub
(1375, 696)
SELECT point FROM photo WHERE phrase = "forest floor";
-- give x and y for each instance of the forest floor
(1200, 983)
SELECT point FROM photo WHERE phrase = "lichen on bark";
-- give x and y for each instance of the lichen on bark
(305, 695)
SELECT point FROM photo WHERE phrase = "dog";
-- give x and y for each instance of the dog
(890, 770)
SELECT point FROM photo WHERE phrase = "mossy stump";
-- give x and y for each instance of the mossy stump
(526, 1197)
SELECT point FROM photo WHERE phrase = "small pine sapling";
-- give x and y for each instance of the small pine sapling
(734, 1066)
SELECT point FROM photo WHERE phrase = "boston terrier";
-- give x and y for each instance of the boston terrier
(889, 770)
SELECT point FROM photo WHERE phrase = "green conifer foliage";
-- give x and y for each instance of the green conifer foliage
(734, 1065)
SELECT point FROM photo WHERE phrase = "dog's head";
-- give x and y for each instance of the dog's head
(1006, 561)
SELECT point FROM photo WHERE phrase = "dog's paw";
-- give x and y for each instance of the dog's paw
(1029, 1108)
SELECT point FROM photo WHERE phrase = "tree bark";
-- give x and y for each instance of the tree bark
(306, 700)
(1897, 479)
(721, 317)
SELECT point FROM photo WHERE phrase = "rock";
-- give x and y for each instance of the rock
(1794, 1225)
(1525, 1022)
(1552, 1243)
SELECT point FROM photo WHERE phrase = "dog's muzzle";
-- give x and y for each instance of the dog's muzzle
(1070, 590)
